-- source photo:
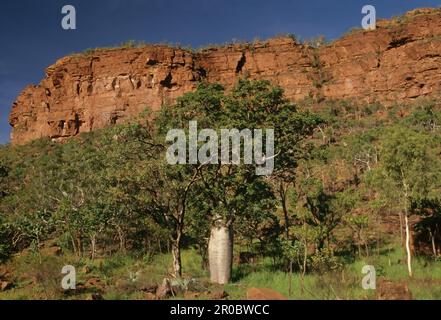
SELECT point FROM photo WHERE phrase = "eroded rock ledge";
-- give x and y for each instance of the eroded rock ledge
(398, 62)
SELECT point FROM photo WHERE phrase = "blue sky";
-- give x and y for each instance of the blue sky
(31, 36)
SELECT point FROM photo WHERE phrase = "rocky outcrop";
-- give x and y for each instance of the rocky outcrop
(85, 92)
(398, 62)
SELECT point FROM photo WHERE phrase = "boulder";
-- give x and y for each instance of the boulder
(264, 294)
(164, 290)
(5, 285)
(218, 295)
(392, 290)
(51, 251)
(149, 288)
(94, 283)
(191, 295)
(95, 296)
(150, 296)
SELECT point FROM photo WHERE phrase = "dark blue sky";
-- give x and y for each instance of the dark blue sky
(31, 36)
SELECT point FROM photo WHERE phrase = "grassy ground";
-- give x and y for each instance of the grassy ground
(122, 277)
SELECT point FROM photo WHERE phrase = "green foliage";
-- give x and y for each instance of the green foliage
(410, 161)
(5, 240)
(425, 118)
(324, 260)
(339, 177)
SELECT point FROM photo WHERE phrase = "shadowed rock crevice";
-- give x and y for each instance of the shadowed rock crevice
(398, 42)
(241, 63)
(167, 82)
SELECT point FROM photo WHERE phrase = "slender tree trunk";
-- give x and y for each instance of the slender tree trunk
(377, 234)
(282, 192)
(79, 246)
(203, 254)
(220, 253)
(432, 238)
(401, 228)
(93, 244)
(409, 253)
(359, 243)
(122, 239)
(74, 246)
(159, 245)
(305, 260)
(176, 253)
(406, 222)
(290, 278)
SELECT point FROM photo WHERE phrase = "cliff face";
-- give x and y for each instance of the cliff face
(398, 62)
(82, 93)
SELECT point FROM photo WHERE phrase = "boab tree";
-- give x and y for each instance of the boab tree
(235, 190)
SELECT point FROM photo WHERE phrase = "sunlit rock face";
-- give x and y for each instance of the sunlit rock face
(398, 62)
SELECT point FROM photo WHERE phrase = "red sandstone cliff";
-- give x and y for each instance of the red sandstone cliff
(398, 62)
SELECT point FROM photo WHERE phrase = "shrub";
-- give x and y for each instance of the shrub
(5, 241)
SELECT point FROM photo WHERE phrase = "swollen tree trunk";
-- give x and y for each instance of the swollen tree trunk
(220, 253)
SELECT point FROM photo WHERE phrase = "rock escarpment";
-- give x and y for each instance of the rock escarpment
(398, 62)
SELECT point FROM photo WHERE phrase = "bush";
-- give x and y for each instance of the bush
(5, 241)
(324, 260)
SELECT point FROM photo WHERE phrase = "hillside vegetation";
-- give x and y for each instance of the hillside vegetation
(354, 184)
